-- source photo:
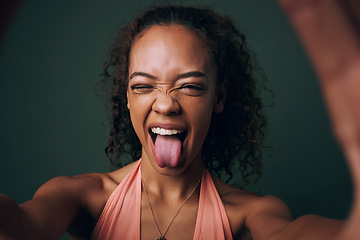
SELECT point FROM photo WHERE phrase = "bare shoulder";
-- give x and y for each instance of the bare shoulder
(71, 204)
(72, 187)
(247, 211)
(87, 182)
(89, 191)
(121, 173)
(56, 204)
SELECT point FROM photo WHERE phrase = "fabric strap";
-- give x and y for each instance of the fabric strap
(120, 218)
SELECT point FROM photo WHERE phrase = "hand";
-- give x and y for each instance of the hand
(329, 31)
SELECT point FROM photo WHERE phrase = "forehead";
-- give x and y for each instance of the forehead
(169, 47)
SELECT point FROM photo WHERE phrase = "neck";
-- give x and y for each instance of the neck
(171, 183)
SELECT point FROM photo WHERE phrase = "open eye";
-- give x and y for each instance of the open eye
(141, 88)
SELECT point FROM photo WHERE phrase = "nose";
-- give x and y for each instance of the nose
(166, 105)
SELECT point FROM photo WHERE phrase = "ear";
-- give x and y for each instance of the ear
(220, 97)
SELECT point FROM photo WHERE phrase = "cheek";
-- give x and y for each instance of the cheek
(139, 104)
(139, 107)
(199, 113)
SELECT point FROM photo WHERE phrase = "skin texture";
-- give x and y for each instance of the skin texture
(333, 47)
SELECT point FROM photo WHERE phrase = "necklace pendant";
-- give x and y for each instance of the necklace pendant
(161, 238)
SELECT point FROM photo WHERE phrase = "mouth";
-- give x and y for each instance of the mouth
(155, 131)
(168, 141)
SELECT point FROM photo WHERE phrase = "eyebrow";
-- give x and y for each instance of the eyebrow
(191, 74)
(141, 74)
(183, 75)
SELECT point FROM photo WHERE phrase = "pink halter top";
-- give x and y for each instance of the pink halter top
(120, 218)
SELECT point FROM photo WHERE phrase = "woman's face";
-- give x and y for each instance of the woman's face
(171, 95)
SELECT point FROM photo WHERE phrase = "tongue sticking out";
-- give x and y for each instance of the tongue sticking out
(167, 150)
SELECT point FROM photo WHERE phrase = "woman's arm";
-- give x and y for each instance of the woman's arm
(327, 29)
(269, 218)
(46, 216)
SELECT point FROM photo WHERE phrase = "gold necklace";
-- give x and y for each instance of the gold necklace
(162, 236)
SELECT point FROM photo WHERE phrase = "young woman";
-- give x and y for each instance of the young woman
(185, 103)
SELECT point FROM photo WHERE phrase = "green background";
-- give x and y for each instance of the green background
(53, 124)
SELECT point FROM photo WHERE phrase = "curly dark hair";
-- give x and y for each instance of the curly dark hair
(236, 134)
